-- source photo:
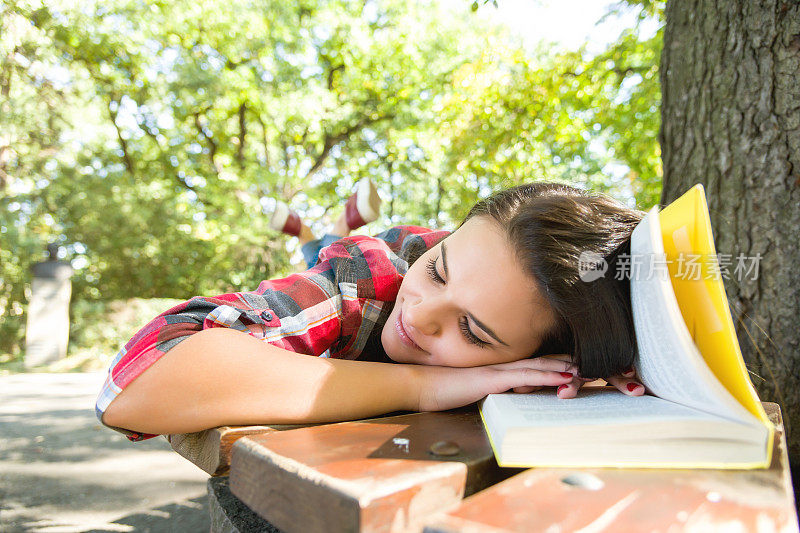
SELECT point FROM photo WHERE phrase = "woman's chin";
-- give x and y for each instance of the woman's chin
(394, 352)
(395, 355)
(397, 351)
(389, 347)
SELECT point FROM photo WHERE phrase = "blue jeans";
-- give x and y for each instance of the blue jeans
(311, 249)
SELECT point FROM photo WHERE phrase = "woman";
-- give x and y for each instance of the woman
(464, 314)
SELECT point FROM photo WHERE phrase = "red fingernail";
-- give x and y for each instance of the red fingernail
(633, 386)
(562, 387)
(566, 375)
(628, 373)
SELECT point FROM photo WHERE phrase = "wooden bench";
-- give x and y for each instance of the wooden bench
(435, 472)
(210, 450)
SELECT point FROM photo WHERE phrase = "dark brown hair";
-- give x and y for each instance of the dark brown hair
(550, 226)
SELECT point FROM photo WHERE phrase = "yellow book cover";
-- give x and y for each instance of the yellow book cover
(701, 410)
(686, 232)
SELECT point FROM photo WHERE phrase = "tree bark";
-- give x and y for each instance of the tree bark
(730, 75)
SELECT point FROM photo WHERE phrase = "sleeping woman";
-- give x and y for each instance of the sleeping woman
(411, 319)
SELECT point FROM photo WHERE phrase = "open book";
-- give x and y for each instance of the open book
(702, 410)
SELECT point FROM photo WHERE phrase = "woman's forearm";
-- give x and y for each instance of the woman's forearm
(224, 377)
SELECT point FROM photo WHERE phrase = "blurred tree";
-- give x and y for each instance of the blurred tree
(36, 112)
(574, 116)
(161, 131)
(151, 137)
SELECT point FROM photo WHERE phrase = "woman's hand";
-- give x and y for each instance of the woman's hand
(447, 388)
(627, 383)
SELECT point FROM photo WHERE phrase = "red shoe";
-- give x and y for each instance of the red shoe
(363, 206)
(285, 220)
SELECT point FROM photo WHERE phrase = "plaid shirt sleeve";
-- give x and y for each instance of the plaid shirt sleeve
(327, 311)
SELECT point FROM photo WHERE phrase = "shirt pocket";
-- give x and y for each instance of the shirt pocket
(255, 320)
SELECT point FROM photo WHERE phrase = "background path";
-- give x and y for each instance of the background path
(62, 471)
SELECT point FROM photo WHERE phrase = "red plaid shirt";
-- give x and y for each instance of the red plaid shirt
(330, 310)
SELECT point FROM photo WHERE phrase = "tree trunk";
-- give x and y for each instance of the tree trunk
(730, 75)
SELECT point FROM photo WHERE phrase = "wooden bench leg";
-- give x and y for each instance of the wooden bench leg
(229, 514)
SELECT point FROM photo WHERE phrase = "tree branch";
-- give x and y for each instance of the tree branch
(8, 72)
(5, 155)
(122, 142)
(332, 140)
(285, 156)
(439, 194)
(264, 140)
(242, 134)
(390, 168)
(331, 72)
(163, 156)
(212, 146)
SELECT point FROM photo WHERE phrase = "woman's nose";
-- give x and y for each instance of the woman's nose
(424, 315)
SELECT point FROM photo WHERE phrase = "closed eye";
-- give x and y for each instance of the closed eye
(471, 338)
(463, 324)
(431, 268)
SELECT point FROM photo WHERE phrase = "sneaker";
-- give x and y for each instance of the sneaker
(364, 205)
(285, 220)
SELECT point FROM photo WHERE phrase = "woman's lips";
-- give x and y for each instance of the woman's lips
(403, 334)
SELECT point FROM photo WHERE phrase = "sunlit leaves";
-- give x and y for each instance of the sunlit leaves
(571, 116)
(148, 136)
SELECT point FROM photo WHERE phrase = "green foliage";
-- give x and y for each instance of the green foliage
(99, 329)
(103, 327)
(589, 119)
(150, 137)
(628, 100)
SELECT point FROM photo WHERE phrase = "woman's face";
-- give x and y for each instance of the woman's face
(466, 302)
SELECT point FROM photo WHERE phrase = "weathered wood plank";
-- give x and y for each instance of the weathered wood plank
(546, 499)
(371, 475)
(210, 450)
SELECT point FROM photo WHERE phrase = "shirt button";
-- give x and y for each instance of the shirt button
(266, 315)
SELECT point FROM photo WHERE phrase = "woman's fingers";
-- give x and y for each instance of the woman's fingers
(559, 371)
(563, 391)
(627, 385)
(551, 370)
(569, 390)
(559, 356)
(526, 389)
(523, 379)
(541, 363)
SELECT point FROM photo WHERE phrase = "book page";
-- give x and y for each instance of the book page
(592, 406)
(604, 427)
(669, 364)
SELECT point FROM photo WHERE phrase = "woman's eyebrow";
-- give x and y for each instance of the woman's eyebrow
(480, 324)
(444, 261)
(486, 328)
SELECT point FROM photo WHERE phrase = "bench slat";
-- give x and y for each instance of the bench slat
(371, 475)
(634, 500)
(210, 450)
